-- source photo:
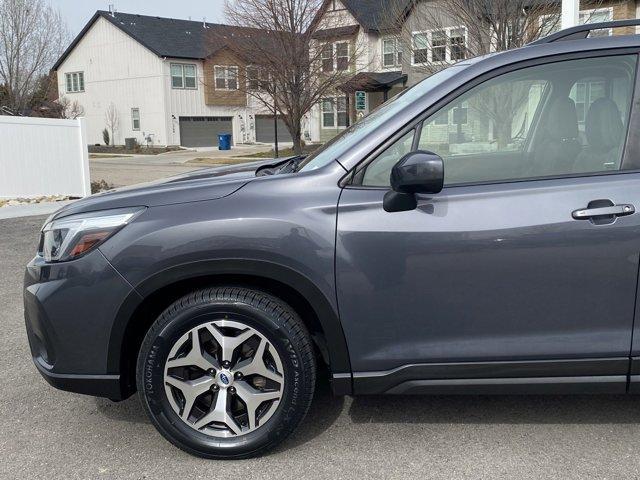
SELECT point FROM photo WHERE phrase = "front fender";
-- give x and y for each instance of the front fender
(336, 343)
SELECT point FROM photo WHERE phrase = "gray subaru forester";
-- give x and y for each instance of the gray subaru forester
(475, 234)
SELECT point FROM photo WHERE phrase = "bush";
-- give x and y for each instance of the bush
(100, 186)
(105, 136)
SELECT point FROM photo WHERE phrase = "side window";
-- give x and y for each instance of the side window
(561, 118)
(378, 172)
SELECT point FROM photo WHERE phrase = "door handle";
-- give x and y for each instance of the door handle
(613, 210)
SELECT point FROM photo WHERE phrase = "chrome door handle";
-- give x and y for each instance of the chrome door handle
(615, 210)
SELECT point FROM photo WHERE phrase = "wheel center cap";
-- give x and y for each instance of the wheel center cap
(224, 379)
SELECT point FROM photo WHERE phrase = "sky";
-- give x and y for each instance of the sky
(78, 12)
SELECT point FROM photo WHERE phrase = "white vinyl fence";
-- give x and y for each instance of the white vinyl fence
(42, 156)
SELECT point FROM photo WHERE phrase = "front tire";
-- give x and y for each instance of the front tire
(226, 372)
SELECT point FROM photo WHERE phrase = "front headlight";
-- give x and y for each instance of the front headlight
(73, 236)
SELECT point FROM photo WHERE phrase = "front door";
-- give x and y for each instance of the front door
(514, 270)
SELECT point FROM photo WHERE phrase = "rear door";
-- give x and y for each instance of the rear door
(526, 264)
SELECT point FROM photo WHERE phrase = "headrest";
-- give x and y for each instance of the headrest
(562, 120)
(603, 126)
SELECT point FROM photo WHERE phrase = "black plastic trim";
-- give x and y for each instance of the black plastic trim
(468, 372)
(515, 386)
(95, 385)
(341, 384)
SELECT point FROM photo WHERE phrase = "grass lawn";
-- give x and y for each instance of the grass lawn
(219, 161)
(283, 153)
(94, 155)
(140, 150)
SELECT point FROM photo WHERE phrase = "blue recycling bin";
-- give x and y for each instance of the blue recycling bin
(224, 141)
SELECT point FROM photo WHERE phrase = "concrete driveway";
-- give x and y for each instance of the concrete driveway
(129, 170)
(45, 433)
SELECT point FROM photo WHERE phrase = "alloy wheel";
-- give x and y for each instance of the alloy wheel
(224, 378)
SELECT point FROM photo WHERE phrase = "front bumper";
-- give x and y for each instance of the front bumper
(69, 310)
(96, 385)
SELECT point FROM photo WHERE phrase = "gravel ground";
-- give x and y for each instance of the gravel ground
(45, 433)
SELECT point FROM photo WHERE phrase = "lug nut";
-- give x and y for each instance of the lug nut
(226, 364)
(238, 375)
(214, 387)
(232, 389)
(211, 371)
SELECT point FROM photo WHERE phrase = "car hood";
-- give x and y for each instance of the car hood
(199, 185)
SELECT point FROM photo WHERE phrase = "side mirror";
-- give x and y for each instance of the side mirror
(416, 172)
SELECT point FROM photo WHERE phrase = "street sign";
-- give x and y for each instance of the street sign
(361, 101)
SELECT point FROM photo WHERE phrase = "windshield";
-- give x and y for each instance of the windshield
(343, 142)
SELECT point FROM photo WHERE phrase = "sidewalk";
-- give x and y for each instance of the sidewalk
(32, 209)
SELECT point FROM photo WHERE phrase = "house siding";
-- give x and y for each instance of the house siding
(217, 97)
(118, 70)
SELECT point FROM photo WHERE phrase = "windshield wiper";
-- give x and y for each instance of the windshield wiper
(292, 164)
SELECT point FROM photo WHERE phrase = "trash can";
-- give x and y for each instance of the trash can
(224, 141)
(130, 143)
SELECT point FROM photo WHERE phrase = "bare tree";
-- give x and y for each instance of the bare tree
(459, 29)
(70, 109)
(32, 36)
(112, 119)
(289, 67)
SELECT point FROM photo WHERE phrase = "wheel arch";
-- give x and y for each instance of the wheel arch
(154, 294)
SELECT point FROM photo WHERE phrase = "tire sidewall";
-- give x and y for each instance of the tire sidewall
(151, 365)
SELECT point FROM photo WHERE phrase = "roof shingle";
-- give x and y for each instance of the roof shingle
(376, 15)
(165, 37)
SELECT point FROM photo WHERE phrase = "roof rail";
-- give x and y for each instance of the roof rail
(582, 31)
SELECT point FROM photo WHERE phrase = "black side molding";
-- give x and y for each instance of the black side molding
(514, 386)
(425, 377)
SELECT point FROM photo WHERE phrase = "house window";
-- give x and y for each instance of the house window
(256, 79)
(183, 76)
(439, 46)
(135, 119)
(327, 57)
(226, 78)
(551, 23)
(342, 56)
(391, 52)
(328, 113)
(597, 15)
(421, 48)
(335, 57)
(75, 82)
(458, 40)
(334, 112)
(341, 110)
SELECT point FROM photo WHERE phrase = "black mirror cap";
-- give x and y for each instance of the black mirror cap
(418, 172)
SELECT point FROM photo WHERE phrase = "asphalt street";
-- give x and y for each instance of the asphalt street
(45, 433)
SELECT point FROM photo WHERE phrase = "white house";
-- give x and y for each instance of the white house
(167, 80)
